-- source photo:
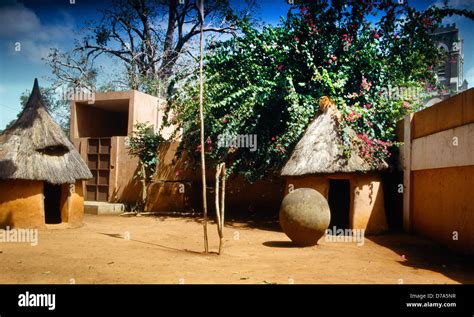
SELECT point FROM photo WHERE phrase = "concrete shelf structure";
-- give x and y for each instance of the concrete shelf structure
(100, 129)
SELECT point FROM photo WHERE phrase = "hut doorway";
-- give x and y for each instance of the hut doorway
(52, 203)
(339, 199)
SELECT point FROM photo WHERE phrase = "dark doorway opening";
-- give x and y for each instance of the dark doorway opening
(52, 203)
(339, 199)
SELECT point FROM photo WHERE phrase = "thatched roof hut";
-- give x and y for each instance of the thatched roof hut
(351, 185)
(41, 173)
(320, 150)
(36, 148)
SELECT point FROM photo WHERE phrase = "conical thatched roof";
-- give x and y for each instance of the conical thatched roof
(35, 148)
(320, 150)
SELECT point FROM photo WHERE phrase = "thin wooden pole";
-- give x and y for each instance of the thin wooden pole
(217, 196)
(201, 117)
(143, 181)
(222, 208)
(223, 195)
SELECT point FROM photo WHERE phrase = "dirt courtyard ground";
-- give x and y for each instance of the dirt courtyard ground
(168, 250)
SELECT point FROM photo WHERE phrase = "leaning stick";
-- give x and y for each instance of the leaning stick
(222, 209)
(223, 196)
(218, 213)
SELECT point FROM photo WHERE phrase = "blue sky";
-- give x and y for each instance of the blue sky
(39, 25)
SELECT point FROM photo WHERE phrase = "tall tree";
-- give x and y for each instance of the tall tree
(151, 38)
(268, 83)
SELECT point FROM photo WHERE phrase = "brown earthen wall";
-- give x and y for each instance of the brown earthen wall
(450, 113)
(123, 187)
(442, 205)
(367, 209)
(439, 180)
(75, 204)
(21, 204)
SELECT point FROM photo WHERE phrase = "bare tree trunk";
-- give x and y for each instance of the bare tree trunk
(143, 181)
(220, 203)
(223, 196)
(218, 212)
(168, 45)
(201, 117)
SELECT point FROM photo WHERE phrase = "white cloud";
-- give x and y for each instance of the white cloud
(461, 4)
(458, 4)
(22, 25)
(18, 21)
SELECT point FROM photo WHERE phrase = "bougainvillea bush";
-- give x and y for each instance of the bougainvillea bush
(268, 81)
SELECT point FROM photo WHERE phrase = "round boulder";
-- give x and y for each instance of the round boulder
(304, 216)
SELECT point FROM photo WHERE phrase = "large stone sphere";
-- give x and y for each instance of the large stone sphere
(304, 216)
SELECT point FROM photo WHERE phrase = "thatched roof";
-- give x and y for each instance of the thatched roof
(320, 150)
(36, 148)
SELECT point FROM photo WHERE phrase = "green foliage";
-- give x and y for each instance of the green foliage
(144, 144)
(269, 82)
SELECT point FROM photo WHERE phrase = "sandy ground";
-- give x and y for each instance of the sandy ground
(169, 250)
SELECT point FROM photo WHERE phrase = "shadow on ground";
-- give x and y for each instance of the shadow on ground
(262, 222)
(280, 244)
(253, 221)
(120, 236)
(420, 253)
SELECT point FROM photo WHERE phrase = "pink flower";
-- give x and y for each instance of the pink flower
(297, 39)
(406, 105)
(346, 38)
(353, 116)
(376, 34)
(280, 67)
(365, 84)
(273, 139)
(330, 61)
(282, 149)
(352, 95)
(427, 22)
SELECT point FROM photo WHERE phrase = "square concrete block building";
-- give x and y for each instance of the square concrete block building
(100, 130)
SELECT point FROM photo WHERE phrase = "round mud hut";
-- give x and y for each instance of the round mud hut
(41, 173)
(351, 185)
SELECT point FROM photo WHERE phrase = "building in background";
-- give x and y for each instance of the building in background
(352, 187)
(451, 72)
(41, 173)
(100, 129)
